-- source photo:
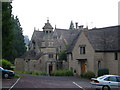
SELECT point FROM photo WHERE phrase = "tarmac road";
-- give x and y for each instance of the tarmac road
(34, 81)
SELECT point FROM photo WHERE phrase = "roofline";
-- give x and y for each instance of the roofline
(105, 27)
(107, 51)
(61, 29)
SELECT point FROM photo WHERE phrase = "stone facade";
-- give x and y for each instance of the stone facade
(76, 59)
(41, 55)
(44, 48)
(87, 50)
(97, 55)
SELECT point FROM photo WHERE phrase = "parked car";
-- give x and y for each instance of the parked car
(7, 73)
(106, 82)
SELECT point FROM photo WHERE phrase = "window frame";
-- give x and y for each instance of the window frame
(50, 55)
(82, 49)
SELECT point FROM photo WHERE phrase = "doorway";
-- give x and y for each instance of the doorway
(83, 67)
(50, 69)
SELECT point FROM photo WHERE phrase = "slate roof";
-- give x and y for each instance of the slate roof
(38, 37)
(101, 39)
(70, 48)
(67, 35)
(32, 55)
(104, 39)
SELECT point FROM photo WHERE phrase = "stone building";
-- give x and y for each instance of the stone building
(87, 50)
(94, 49)
(44, 48)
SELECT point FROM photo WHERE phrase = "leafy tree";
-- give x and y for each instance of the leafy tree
(12, 36)
(62, 55)
(6, 64)
(19, 44)
(7, 31)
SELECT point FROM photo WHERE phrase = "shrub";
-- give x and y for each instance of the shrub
(62, 72)
(38, 73)
(17, 76)
(33, 73)
(6, 64)
(88, 75)
(103, 71)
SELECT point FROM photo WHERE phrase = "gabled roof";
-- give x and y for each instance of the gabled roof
(104, 39)
(101, 39)
(67, 35)
(47, 25)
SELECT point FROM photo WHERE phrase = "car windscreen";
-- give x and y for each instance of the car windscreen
(118, 79)
(101, 77)
(1, 68)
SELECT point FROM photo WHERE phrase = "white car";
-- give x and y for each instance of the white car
(106, 82)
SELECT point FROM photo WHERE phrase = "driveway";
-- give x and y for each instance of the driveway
(34, 81)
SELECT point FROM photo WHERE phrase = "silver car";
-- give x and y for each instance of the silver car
(106, 82)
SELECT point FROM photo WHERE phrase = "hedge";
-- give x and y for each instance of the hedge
(88, 75)
(62, 72)
(103, 71)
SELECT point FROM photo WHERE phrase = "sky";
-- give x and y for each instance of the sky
(91, 13)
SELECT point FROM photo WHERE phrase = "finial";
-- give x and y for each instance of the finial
(47, 19)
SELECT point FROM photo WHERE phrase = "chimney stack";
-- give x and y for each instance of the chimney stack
(76, 25)
(81, 27)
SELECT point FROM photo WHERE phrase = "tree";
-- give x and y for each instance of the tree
(6, 64)
(62, 55)
(7, 31)
(18, 44)
(13, 45)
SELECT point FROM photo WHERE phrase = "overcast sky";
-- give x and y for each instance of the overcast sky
(94, 13)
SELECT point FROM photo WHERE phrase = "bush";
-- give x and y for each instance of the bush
(38, 73)
(6, 64)
(17, 76)
(33, 73)
(103, 71)
(88, 75)
(62, 72)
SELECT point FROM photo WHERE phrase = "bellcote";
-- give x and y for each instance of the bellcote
(48, 26)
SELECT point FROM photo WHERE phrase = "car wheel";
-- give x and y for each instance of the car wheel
(105, 88)
(6, 75)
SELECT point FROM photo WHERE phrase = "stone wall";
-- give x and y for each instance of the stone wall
(19, 64)
(111, 63)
